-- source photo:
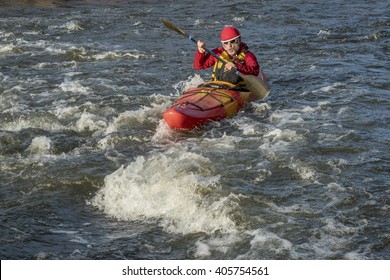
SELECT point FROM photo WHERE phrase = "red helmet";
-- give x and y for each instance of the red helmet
(229, 33)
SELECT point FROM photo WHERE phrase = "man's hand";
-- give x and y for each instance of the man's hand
(201, 44)
(230, 66)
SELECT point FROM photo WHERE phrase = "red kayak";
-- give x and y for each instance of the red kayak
(210, 101)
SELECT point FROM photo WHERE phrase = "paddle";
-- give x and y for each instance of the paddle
(253, 83)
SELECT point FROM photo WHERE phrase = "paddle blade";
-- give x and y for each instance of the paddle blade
(255, 85)
(173, 27)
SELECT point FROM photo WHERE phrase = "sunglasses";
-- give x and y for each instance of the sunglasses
(234, 41)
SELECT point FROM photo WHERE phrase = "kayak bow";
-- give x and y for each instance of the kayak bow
(211, 101)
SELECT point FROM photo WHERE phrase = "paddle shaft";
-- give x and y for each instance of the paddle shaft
(208, 51)
(177, 29)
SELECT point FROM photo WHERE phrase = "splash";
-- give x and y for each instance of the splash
(324, 34)
(175, 188)
(72, 25)
(91, 122)
(40, 145)
(265, 243)
(142, 115)
(190, 82)
(73, 86)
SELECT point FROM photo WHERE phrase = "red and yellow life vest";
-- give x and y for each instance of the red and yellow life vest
(219, 68)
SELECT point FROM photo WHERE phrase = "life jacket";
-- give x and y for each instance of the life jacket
(219, 73)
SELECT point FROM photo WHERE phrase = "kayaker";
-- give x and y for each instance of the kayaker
(237, 55)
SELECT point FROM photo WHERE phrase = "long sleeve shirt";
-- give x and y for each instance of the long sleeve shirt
(249, 66)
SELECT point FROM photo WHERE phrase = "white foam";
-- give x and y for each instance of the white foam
(65, 112)
(190, 82)
(109, 142)
(17, 89)
(277, 134)
(334, 187)
(335, 164)
(335, 238)
(337, 229)
(67, 64)
(324, 33)
(303, 170)
(221, 243)
(246, 125)
(23, 122)
(301, 209)
(223, 143)
(331, 138)
(74, 86)
(282, 118)
(72, 25)
(164, 133)
(175, 188)
(142, 115)
(7, 48)
(330, 88)
(5, 34)
(342, 111)
(266, 243)
(198, 22)
(277, 141)
(40, 145)
(113, 55)
(91, 122)
(308, 109)
(239, 19)
(55, 50)
(261, 108)
(202, 249)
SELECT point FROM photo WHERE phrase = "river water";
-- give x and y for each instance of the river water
(89, 170)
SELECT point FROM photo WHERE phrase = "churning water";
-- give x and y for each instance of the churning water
(89, 170)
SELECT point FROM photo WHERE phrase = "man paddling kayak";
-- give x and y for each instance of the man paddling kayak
(216, 100)
(236, 54)
(254, 84)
